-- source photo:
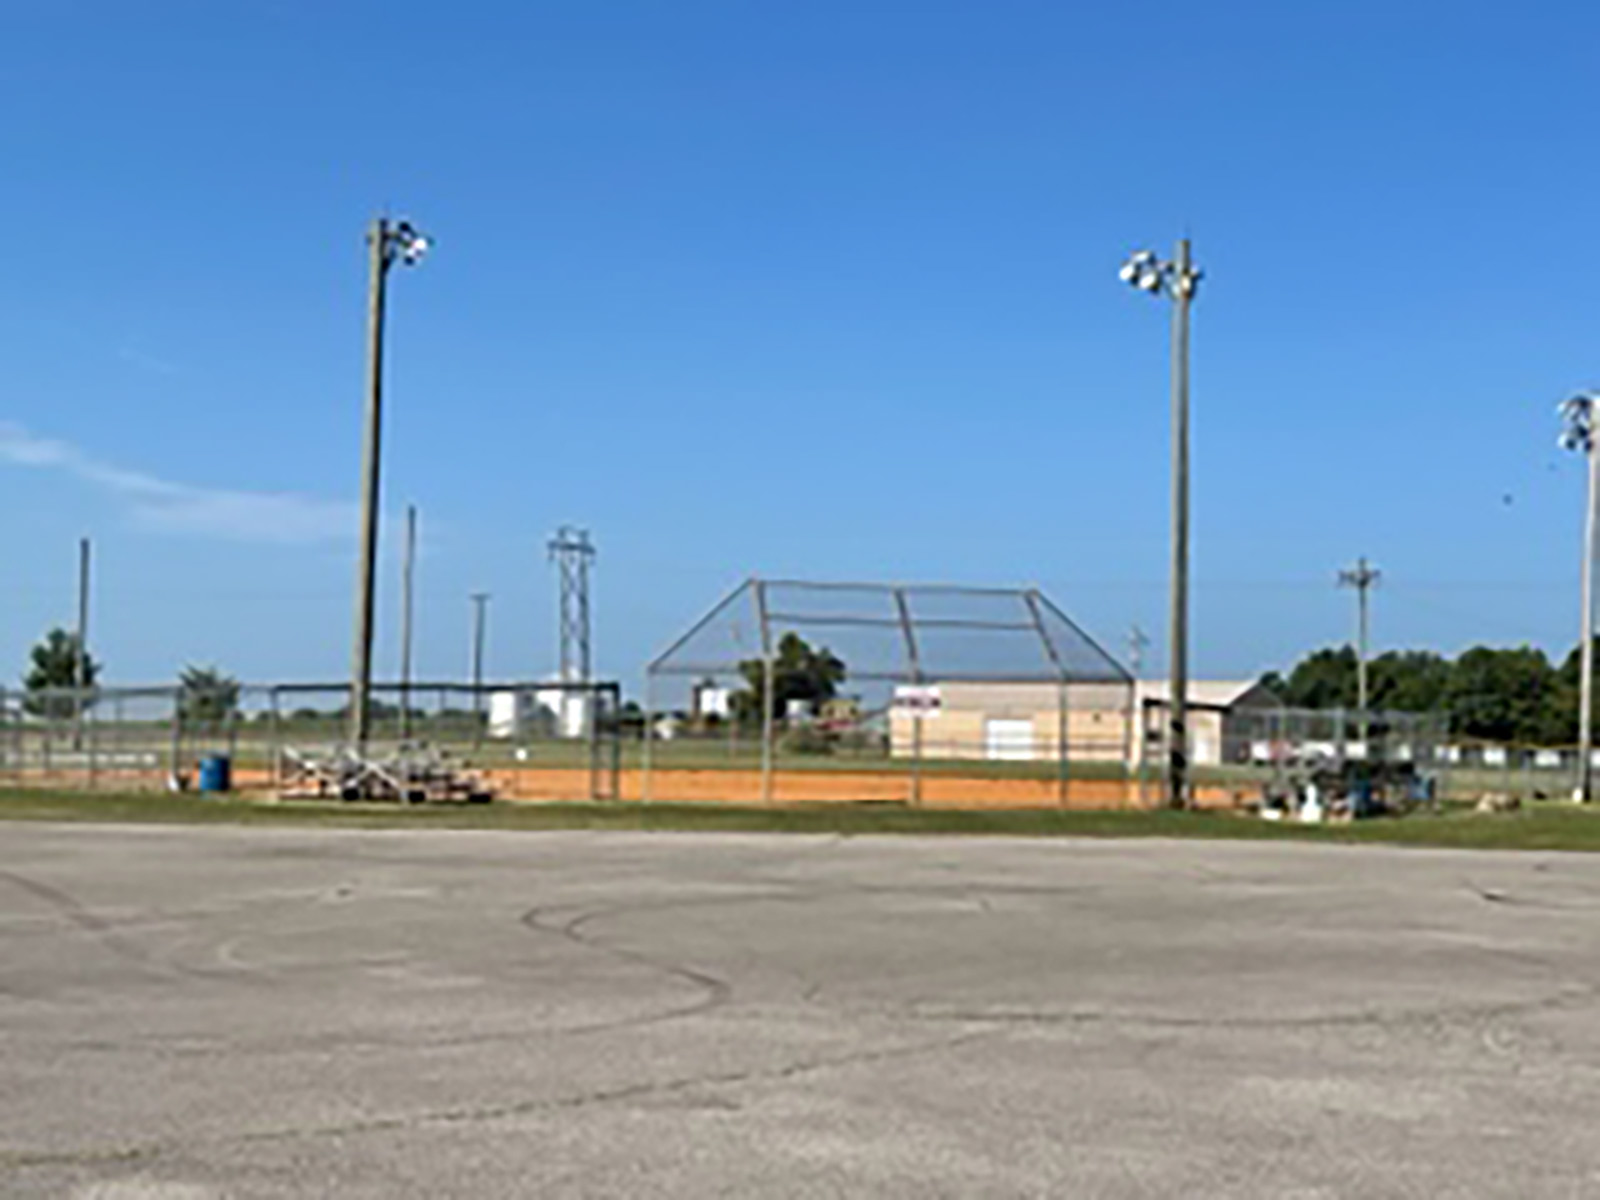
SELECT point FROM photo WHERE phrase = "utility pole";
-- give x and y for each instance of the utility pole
(386, 244)
(1138, 643)
(408, 578)
(80, 665)
(1177, 280)
(1579, 433)
(1362, 577)
(573, 553)
(480, 605)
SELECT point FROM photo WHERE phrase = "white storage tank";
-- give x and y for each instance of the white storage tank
(569, 714)
(509, 713)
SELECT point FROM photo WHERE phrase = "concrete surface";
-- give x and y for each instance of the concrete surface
(200, 1012)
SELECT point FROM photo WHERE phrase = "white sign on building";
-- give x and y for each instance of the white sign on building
(917, 698)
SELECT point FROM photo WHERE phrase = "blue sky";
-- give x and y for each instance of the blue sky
(825, 290)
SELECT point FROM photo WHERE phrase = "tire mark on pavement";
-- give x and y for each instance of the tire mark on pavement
(714, 991)
(79, 915)
(109, 936)
(620, 1093)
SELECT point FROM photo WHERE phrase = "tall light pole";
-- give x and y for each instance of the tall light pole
(1177, 280)
(387, 243)
(1362, 577)
(1578, 433)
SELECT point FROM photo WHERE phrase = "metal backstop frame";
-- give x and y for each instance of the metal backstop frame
(911, 642)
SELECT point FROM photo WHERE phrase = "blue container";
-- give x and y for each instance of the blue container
(1361, 795)
(216, 773)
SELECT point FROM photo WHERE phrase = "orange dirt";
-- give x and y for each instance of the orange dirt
(682, 786)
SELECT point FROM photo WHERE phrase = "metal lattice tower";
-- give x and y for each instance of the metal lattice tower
(573, 553)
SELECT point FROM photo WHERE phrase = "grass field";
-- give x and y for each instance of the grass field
(1542, 827)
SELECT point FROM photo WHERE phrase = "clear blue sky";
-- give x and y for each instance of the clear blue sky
(823, 289)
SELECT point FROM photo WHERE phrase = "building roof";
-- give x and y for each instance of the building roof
(1209, 693)
(1203, 693)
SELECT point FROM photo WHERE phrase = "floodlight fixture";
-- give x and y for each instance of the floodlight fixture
(1578, 420)
(405, 241)
(1145, 271)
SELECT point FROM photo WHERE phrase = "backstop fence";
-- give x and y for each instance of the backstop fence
(799, 691)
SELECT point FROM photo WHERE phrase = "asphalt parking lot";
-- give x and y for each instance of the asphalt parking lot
(266, 1012)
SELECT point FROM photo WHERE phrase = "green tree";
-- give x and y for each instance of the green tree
(53, 673)
(206, 694)
(1325, 679)
(799, 672)
(1503, 695)
(1409, 681)
(1561, 703)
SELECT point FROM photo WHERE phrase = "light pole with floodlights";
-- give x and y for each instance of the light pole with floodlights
(1578, 433)
(1178, 280)
(387, 243)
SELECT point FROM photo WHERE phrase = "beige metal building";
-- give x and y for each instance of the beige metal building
(1100, 722)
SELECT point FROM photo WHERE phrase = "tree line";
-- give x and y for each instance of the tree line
(56, 678)
(1514, 694)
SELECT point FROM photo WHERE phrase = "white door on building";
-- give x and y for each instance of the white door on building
(1005, 738)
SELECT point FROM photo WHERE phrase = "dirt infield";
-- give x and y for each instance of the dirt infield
(732, 786)
(679, 786)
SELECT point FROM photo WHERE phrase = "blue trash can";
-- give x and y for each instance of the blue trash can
(216, 773)
(1362, 798)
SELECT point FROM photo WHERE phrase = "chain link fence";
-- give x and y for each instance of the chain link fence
(530, 740)
(805, 690)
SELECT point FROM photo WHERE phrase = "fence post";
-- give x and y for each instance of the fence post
(85, 734)
(177, 734)
(1061, 744)
(591, 712)
(646, 733)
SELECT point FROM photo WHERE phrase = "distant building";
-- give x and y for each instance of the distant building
(709, 699)
(1103, 722)
(1220, 717)
(840, 712)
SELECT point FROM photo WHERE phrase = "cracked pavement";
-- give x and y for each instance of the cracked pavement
(197, 1012)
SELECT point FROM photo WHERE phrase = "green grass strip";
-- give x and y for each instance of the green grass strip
(1540, 827)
